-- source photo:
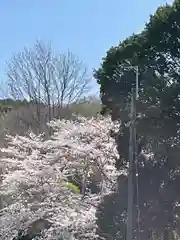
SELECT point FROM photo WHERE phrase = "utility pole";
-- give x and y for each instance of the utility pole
(1, 200)
(132, 158)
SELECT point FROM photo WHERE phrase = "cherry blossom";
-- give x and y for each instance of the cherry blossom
(35, 174)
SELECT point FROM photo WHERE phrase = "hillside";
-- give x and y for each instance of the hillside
(20, 117)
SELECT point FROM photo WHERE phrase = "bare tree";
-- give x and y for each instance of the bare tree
(47, 79)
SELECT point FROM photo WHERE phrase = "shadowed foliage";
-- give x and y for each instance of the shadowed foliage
(156, 51)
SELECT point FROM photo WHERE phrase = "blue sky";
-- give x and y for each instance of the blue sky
(87, 27)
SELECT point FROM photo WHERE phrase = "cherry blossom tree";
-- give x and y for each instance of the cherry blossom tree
(37, 179)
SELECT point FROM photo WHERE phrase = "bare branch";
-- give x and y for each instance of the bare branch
(44, 77)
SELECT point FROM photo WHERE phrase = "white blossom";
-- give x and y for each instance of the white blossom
(35, 172)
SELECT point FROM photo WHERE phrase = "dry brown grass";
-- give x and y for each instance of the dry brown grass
(23, 119)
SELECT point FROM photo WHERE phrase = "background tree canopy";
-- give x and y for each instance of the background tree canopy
(156, 51)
